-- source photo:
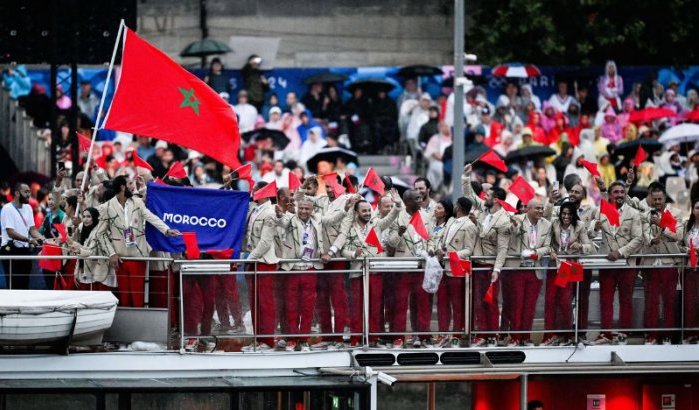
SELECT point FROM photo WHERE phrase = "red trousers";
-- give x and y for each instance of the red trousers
(487, 315)
(405, 285)
(131, 282)
(584, 300)
(524, 293)
(331, 291)
(158, 288)
(300, 301)
(690, 289)
(262, 304)
(450, 303)
(375, 305)
(558, 305)
(199, 291)
(610, 280)
(94, 287)
(228, 299)
(659, 282)
(280, 295)
(506, 320)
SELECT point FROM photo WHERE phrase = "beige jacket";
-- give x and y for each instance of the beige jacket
(587, 214)
(261, 230)
(113, 223)
(94, 270)
(669, 241)
(460, 236)
(494, 240)
(410, 244)
(356, 236)
(579, 234)
(627, 238)
(292, 245)
(519, 240)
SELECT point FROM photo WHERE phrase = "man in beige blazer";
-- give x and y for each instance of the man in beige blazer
(618, 242)
(531, 242)
(123, 225)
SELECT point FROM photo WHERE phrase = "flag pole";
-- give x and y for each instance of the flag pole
(101, 107)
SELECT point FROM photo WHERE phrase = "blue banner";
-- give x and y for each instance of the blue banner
(217, 216)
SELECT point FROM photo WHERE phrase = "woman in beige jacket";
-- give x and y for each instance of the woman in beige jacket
(92, 274)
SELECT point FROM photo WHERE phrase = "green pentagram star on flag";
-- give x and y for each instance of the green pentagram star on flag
(190, 100)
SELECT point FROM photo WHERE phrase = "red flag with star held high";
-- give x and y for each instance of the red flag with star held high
(176, 171)
(84, 142)
(267, 191)
(372, 180)
(641, 155)
(493, 159)
(294, 182)
(522, 190)
(591, 167)
(419, 226)
(373, 239)
(158, 98)
(139, 162)
(610, 211)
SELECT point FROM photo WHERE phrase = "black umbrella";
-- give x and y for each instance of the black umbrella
(530, 152)
(279, 139)
(331, 155)
(205, 47)
(475, 153)
(325, 77)
(628, 149)
(411, 71)
(371, 85)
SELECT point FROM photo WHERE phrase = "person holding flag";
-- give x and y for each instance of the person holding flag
(662, 234)
(622, 237)
(122, 222)
(690, 286)
(408, 235)
(363, 233)
(459, 236)
(492, 242)
(569, 236)
(303, 241)
(531, 241)
(259, 243)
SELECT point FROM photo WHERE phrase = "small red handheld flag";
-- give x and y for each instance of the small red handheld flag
(692, 255)
(176, 171)
(51, 264)
(610, 212)
(294, 182)
(268, 191)
(61, 229)
(139, 162)
(641, 156)
(348, 183)
(419, 226)
(490, 295)
(244, 171)
(191, 245)
(506, 206)
(568, 272)
(373, 239)
(372, 180)
(84, 142)
(591, 167)
(522, 190)
(493, 159)
(668, 221)
(221, 254)
(459, 268)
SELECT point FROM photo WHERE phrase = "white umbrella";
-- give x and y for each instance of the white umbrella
(680, 133)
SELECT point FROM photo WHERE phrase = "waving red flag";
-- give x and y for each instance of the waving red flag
(62, 233)
(294, 182)
(84, 142)
(348, 183)
(331, 179)
(493, 159)
(591, 167)
(373, 239)
(419, 226)
(158, 98)
(139, 162)
(522, 190)
(692, 255)
(268, 191)
(372, 180)
(176, 171)
(244, 171)
(641, 156)
(191, 245)
(610, 212)
(506, 206)
(668, 221)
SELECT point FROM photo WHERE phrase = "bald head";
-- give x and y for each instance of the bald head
(385, 205)
(535, 210)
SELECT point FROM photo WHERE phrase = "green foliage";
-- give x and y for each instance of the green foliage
(584, 32)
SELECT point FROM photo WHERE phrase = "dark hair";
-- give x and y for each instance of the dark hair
(655, 186)
(17, 187)
(476, 187)
(535, 404)
(85, 233)
(425, 180)
(691, 221)
(72, 201)
(573, 213)
(356, 204)
(448, 208)
(616, 183)
(499, 193)
(570, 180)
(465, 204)
(352, 179)
(118, 182)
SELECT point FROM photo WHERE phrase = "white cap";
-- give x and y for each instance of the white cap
(161, 144)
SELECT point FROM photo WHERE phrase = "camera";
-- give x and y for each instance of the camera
(386, 379)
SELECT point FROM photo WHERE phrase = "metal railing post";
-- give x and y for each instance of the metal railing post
(181, 305)
(365, 307)
(255, 314)
(467, 307)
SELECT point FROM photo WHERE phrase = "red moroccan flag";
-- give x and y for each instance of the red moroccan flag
(348, 184)
(692, 255)
(610, 212)
(493, 159)
(506, 206)
(176, 171)
(245, 172)
(459, 268)
(372, 180)
(294, 182)
(84, 142)
(373, 239)
(62, 233)
(139, 162)
(641, 156)
(591, 167)
(268, 191)
(158, 98)
(419, 226)
(191, 245)
(221, 254)
(522, 190)
(568, 272)
(490, 295)
(668, 221)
